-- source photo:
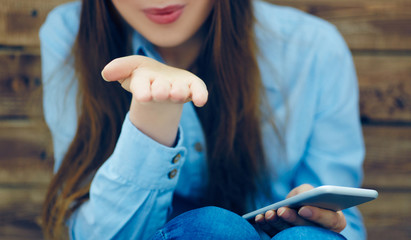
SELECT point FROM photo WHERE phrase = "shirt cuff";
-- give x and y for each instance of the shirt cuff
(140, 159)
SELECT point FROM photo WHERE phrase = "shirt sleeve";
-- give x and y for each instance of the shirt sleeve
(131, 194)
(335, 149)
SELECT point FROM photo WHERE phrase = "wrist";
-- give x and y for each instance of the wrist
(158, 121)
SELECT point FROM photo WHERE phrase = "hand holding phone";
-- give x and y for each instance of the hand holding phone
(333, 198)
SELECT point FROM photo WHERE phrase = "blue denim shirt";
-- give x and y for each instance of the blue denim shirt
(310, 85)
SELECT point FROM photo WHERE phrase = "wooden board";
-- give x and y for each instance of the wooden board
(25, 172)
(366, 24)
(20, 209)
(20, 84)
(385, 85)
(25, 153)
(388, 158)
(388, 216)
(20, 20)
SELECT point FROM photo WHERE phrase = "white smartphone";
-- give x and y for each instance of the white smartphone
(328, 197)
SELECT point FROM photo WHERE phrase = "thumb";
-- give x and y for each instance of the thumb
(122, 68)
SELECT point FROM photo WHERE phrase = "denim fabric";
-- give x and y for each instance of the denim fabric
(207, 223)
(307, 232)
(217, 223)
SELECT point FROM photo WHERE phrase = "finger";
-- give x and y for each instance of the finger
(275, 221)
(160, 89)
(334, 221)
(300, 189)
(259, 219)
(291, 217)
(263, 225)
(121, 68)
(179, 91)
(199, 93)
(140, 86)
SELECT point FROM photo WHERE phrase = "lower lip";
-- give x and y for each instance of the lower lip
(164, 18)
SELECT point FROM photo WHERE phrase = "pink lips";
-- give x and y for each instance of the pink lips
(165, 15)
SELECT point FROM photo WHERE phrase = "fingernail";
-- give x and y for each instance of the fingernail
(305, 212)
(269, 215)
(258, 218)
(102, 75)
(280, 212)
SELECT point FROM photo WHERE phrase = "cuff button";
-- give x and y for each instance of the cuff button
(172, 174)
(176, 158)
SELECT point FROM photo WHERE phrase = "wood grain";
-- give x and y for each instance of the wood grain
(385, 85)
(365, 24)
(20, 84)
(25, 148)
(388, 216)
(20, 209)
(20, 20)
(388, 158)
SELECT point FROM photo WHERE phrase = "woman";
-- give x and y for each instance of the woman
(234, 104)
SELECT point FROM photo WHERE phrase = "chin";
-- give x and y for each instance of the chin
(167, 41)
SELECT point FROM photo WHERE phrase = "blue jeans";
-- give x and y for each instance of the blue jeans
(217, 223)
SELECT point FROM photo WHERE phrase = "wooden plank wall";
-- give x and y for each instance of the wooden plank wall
(377, 31)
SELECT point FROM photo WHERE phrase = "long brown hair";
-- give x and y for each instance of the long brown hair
(230, 119)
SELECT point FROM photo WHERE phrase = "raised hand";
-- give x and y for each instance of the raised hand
(159, 92)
